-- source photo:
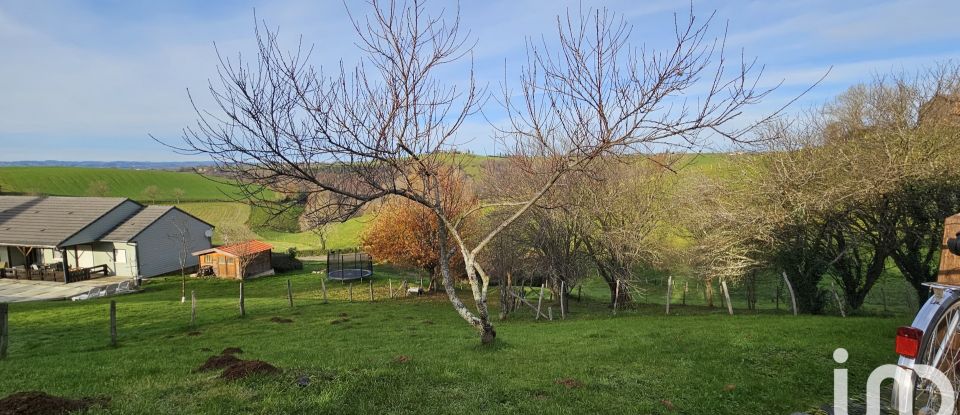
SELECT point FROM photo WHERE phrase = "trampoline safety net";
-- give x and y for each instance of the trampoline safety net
(348, 266)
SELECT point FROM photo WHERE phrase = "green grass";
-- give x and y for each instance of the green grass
(238, 216)
(76, 181)
(627, 363)
(339, 236)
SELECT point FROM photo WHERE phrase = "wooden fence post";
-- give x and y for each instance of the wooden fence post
(616, 297)
(390, 281)
(836, 296)
(323, 285)
(113, 323)
(686, 287)
(290, 292)
(243, 306)
(4, 331)
(793, 297)
(579, 293)
(777, 298)
(563, 293)
(883, 297)
(371, 291)
(726, 294)
(669, 292)
(550, 312)
(708, 292)
(351, 291)
(540, 300)
(193, 308)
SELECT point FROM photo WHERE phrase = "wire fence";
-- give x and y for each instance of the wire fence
(764, 292)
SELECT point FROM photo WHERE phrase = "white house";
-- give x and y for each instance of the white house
(71, 238)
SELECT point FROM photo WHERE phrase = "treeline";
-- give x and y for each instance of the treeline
(841, 193)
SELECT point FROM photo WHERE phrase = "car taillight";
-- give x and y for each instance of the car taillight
(908, 341)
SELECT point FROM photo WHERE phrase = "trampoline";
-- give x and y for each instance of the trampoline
(349, 266)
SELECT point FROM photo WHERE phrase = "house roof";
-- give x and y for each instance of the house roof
(48, 221)
(235, 250)
(132, 227)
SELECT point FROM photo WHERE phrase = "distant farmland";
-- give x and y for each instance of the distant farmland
(77, 181)
(209, 200)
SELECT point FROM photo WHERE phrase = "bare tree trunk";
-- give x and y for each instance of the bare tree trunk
(183, 286)
(243, 308)
(479, 321)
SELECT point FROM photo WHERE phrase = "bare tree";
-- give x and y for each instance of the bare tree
(387, 126)
(182, 238)
(620, 207)
(98, 188)
(151, 193)
(178, 194)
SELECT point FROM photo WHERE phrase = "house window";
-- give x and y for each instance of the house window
(120, 256)
(57, 254)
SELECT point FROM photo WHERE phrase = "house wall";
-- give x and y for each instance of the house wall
(103, 225)
(49, 256)
(159, 244)
(123, 269)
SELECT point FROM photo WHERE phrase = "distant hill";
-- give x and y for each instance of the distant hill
(134, 184)
(142, 165)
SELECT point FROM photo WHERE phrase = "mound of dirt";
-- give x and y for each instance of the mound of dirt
(245, 368)
(40, 403)
(231, 350)
(218, 362)
(569, 383)
(281, 320)
(401, 359)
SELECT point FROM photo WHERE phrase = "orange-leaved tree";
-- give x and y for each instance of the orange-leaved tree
(405, 233)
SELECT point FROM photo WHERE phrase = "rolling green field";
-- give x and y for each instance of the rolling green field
(415, 355)
(209, 200)
(199, 198)
(76, 181)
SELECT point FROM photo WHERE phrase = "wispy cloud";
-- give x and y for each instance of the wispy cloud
(84, 81)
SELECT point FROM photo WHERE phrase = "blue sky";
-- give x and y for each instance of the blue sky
(90, 80)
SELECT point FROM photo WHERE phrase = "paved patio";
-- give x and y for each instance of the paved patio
(15, 291)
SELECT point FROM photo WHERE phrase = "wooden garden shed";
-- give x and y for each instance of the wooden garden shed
(255, 257)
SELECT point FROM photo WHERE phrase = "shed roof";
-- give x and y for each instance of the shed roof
(132, 227)
(235, 250)
(48, 221)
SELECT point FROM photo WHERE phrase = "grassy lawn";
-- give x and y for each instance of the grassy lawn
(629, 363)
